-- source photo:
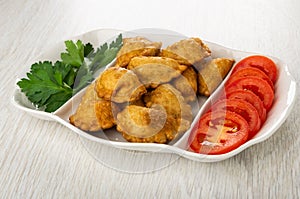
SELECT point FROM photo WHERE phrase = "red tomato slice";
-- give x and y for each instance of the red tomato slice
(244, 109)
(258, 86)
(250, 97)
(250, 72)
(218, 133)
(261, 62)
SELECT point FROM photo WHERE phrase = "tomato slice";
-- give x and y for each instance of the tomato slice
(261, 62)
(250, 97)
(218, 133)
(250, 72)
(244, 109)
(257, 85)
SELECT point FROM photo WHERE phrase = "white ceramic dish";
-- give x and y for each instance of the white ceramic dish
(283, 102)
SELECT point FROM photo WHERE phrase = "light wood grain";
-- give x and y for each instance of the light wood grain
(41, 159)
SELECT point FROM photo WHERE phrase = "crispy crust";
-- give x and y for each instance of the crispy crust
(141, 124)
(187, 84)
(212, 74)
(119, 96)
(153, 71)
(167, 134)
(106, 112)
(187, 51)
(87, 113)
(119, 85)
(171, 100)
(136, 46)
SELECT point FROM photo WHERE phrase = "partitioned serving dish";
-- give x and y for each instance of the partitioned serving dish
(285, 89)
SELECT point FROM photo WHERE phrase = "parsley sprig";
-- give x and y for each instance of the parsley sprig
(50, 85)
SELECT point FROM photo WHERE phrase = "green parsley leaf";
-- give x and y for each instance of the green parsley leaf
(43, 81)
(70, 78)
(84, 77)
(88, 49)
(50, 85)
(106, 53)
(117, 43)
(83, 81)
(75, 53)
(57, 100)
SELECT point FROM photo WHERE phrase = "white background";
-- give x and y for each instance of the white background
(44, 159)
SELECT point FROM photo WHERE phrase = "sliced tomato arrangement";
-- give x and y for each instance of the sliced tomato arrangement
(250, 72)
(257, 85)
(263, 63)
(250, 97)
(244, 109)
(241, 110)
(219, 132)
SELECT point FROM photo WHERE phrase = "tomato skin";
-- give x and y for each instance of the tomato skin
(261, 62)
(250, 97)
(244, 109)
(257, 85)
(203, 135)
(249, 72)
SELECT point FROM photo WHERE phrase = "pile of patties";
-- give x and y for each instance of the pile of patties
(148, 93)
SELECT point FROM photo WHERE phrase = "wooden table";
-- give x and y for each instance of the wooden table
(42, 159)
